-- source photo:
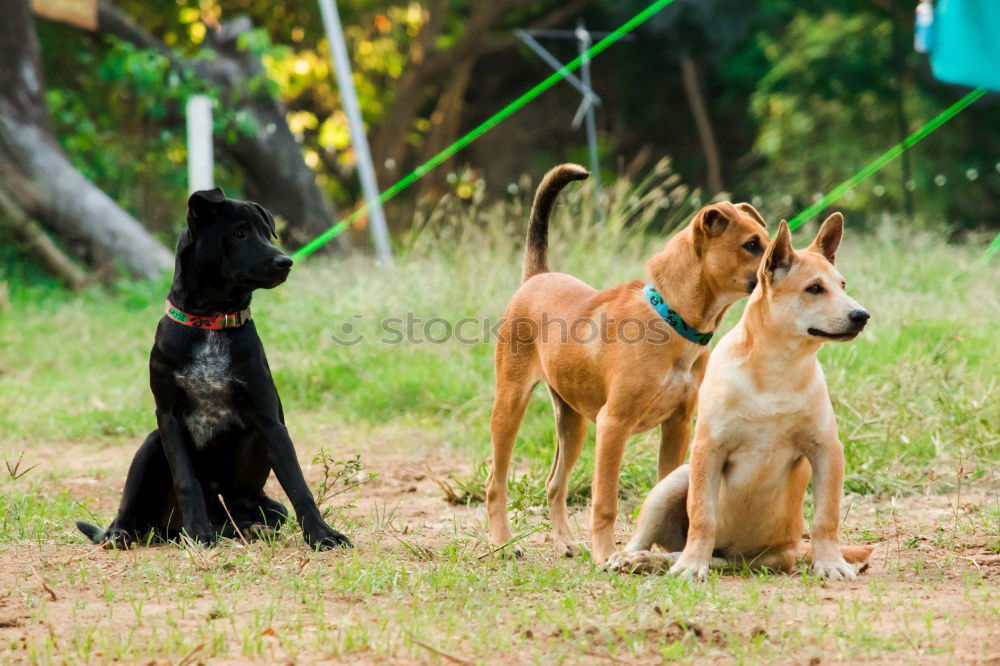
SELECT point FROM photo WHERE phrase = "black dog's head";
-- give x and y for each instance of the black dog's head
(226, 252)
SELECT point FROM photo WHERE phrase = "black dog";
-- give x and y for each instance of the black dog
(220, 426)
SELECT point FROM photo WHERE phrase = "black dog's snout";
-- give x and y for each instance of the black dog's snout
(859, 317)
(282, 261)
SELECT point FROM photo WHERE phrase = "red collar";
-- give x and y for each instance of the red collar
(216, 323)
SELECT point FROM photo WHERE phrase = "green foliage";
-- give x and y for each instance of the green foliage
(802, 94)
(829, 78)
(340, 477)
(835, 85)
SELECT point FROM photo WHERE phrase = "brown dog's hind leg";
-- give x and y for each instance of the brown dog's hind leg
(508, 411)
(571, 431)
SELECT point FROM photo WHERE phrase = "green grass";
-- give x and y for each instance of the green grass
(917, 395)
(917, 399)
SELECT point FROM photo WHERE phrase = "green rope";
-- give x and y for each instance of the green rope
(886, 157)
(991, 251)
(574, 64)
(486, 126)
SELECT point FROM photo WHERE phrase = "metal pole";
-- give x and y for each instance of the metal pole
(362, 153)
(200, 159)
(583, 39)
(571, 78)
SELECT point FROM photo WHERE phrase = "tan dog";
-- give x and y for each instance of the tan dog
(765, 423)
(608, 357)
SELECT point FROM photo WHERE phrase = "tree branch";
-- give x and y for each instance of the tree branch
(113, 21)
(39, 243)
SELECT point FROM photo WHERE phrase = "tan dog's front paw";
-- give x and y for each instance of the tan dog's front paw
(640, 562)
(601, 554)
(834, 569)
(691, 568)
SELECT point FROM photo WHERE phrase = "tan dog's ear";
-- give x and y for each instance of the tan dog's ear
(828, 239)
(752, 212)
(779, 254)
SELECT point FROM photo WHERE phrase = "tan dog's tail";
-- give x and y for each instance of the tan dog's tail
(852, 554)
(856, 554)
(537, 245)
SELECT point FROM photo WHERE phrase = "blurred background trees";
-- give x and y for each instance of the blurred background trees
(766, 100)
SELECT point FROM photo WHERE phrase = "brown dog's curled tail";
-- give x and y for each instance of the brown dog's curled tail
(537, 245)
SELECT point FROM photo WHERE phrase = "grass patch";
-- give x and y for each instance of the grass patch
(916, 397)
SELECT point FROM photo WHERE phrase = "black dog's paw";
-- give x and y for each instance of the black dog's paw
(117, 539)
(257, 530)
(327, 539)
(203, 536)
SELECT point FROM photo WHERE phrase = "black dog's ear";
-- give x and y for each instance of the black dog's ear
(268, 218)
(201, 208)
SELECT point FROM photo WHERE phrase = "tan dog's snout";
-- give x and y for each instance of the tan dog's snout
(844, 327)
(859, 318)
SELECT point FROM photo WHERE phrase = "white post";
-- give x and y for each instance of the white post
(201, 160)
(583, 39)
(362, 153)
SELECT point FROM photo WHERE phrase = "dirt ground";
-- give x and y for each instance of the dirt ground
(934, 577)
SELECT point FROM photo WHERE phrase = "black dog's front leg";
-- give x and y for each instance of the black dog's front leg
(285, 463)
(190, 498)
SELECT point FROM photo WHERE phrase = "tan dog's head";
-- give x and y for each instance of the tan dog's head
(728, 242)
(805, 292)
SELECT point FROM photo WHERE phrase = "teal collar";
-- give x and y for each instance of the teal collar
(674, 319)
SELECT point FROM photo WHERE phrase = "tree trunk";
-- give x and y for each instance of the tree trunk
(445, 122)
(704, 124)
(900, 47)
(38, 180)
(276, 173)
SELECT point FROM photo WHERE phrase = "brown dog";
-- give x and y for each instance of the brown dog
(765, 426)
(609, 357)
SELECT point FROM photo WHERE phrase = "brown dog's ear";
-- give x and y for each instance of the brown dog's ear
(779, 254)
(715, 218)
(712, 220)
(828, 238)
(752, 212)
(201, 208)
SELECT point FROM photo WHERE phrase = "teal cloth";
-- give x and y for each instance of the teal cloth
(967, 42)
